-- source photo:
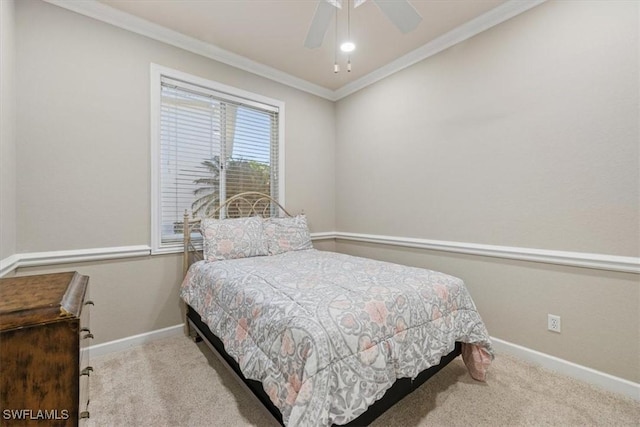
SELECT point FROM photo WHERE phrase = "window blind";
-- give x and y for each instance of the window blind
(212, 146)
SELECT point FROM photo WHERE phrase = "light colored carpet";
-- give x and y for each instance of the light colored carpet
(174, 382)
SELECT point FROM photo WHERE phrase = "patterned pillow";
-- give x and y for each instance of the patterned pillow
(233, 238)
(287, 234)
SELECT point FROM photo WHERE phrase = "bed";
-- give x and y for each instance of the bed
(320, 338)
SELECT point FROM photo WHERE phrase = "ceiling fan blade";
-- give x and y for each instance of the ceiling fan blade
(319, 24)
(401, 13)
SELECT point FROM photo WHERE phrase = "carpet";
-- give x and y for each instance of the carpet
(174, 382)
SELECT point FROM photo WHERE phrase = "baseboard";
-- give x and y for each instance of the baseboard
(135, 340)
(570, 369)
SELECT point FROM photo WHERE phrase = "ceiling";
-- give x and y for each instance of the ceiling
(272, 32)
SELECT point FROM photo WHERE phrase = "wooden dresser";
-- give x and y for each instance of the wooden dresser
(44, 371)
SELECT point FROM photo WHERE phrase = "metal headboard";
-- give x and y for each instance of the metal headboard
(250, 203)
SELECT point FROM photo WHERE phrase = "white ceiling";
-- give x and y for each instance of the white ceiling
(272, 32)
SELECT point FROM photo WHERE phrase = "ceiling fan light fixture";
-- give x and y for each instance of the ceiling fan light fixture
(347, 47)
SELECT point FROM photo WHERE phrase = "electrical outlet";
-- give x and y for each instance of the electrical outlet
(553, 323)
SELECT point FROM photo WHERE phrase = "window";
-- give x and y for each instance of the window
(209, 142)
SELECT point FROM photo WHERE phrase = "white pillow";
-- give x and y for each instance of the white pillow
(233, 238)
(287, 234)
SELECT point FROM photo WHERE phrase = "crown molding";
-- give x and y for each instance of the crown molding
(109, 15)
(459, 34)
(126, 21)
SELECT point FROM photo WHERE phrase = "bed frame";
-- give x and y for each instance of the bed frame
(251, 204)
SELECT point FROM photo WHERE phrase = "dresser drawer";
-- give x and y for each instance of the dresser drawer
(41, 333)
(86, 370)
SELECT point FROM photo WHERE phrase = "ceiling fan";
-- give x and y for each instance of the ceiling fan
(400, 12)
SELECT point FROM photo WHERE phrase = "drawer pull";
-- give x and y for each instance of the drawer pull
(89, 303)
(84, 330)
(87, 336)
(84, 414)
(86, 371)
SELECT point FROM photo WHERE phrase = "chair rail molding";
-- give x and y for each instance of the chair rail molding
(35, 259)
(8, 264)
(573, 259)
(617, 263)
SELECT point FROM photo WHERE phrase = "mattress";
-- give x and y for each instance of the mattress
(327, 334)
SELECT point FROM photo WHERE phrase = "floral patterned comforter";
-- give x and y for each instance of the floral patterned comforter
(327, 334)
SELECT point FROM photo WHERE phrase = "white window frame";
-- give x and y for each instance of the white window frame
(157, 72)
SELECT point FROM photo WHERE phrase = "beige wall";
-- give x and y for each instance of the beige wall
(525, 135)
(7, 131)
(600, 310)
(83, 116)
(131, 296)
(83, 156)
